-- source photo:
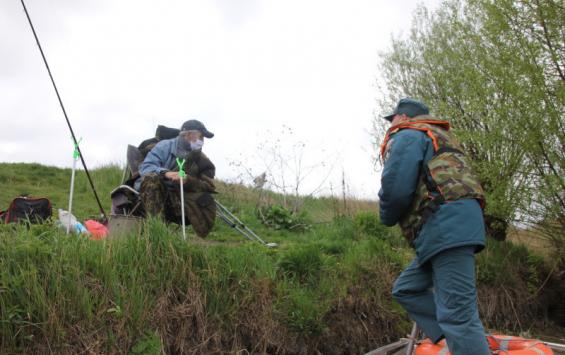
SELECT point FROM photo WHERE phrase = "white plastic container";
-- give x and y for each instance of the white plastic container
(75, 226)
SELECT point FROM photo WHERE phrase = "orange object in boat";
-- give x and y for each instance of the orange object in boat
(498, 344)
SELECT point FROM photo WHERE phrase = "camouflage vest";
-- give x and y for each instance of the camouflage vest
(447, 176)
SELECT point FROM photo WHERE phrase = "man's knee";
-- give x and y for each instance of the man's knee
(411, 282)
(152, 193)
(150, 179)
(460, 310)
(400, 290)
(150, 183)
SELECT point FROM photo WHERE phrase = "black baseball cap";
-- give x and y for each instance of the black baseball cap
(195, 125)
(410, 108)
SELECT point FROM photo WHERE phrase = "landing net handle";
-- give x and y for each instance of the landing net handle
(232, 221)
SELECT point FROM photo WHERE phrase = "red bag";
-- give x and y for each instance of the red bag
(27, 209)
(97, 230)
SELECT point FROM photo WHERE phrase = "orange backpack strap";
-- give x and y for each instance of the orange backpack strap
(391, 130)
(414, 125)
(429, 133)
(384, 143)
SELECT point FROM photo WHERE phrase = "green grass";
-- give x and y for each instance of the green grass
(323, 289)
(55, 288)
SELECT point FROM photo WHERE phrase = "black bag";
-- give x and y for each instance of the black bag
(27, 209)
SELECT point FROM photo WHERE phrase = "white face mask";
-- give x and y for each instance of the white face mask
(197, 145)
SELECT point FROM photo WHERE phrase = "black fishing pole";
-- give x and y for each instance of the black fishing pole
(65, 113)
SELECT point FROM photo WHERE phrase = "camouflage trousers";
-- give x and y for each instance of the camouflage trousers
(161, 198)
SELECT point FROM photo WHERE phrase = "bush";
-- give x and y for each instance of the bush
(304, 264)
(369, 223)
(150, 344)
(342, 228)
(511, 284)
(301, 310)
(279, 217)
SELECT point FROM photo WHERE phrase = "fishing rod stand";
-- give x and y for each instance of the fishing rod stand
(231, 220)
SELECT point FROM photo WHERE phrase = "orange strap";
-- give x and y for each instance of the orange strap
(410, 125)
(383, 145)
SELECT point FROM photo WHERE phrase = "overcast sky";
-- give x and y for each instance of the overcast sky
(246, 68)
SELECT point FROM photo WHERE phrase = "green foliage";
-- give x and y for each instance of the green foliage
(150, 344)
(495, 69)
(343, 228)
(375, 255)
(506, 264)
(370, 224)
(511, 278)
(304, 263)
(301, 309)
(332, 247)
(279, 217)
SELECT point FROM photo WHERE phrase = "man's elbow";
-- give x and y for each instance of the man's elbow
(142, 170)
(145, 169)
(387, 221)
(386, 218)
(392, 213)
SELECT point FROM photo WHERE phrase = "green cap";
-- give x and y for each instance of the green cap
(410, 108)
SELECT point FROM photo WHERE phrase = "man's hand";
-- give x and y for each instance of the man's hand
(172, 175)
(194, 183)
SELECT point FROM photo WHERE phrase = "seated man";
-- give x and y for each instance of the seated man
(159, 180)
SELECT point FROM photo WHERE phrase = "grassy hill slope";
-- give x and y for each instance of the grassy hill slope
(45, 181)
(326, 289)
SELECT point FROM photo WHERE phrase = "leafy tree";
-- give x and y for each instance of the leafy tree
(495, 69)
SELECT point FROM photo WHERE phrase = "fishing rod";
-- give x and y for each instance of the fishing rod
(65, 114)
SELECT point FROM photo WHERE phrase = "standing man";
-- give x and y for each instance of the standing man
(430, 191)
(159, 183)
